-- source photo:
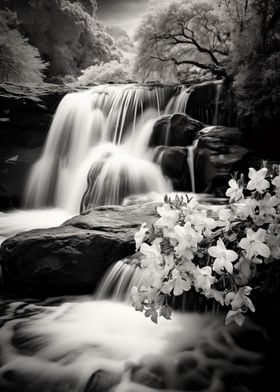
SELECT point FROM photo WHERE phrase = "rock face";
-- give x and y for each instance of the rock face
(174, 164)
(212, 102)
(217, 155)
(72, 258)
(25, 116)
(175, 130)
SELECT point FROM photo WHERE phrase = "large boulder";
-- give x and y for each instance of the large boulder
(175, 130)
(174, 164)
(217, 155)
(72, 258)
(26, 112)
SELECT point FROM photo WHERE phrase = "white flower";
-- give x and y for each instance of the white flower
(177, 284)
(257, 180)
(240, 299)
(202, 222)
(268, 204)
(169, 217)
(223, 257)
(224, 218)
(267, 209)
(274, 228)
(254, 245)
(187, 239)
(203, 279)
(247, 208)
(140, 235)
(152, 253)
(234, 192)
(276, 181)
(152, 277)
(235, 316)
(136, 299)
(190, 207)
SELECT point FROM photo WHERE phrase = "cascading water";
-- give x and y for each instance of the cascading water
(95, 344)
(104, 131)
(179, 102)
(86, 345)
(106, 123)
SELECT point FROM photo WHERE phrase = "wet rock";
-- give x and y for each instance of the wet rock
(212, 103)
(26, 113)
(217, 154)
(175, 130)
(174, 164)
(102, 381)
(72, 258)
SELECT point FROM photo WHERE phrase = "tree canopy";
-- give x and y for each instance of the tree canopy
(66, 33)
(19, 61)
(182, 34)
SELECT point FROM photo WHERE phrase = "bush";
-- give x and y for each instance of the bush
(114, 72)
(19, 61)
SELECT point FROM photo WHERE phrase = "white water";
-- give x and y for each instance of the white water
(83, 345)
(105, 121)
(14, 222)
(87, 344)
(108, 126)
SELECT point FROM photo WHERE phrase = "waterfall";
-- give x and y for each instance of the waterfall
(125, 274)
(99, 142)
(106, 124)
(217, 104)
(178, 103)
(191, 153)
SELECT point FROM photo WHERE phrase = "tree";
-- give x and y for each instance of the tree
(255, 66)
(183, 34)
(122, 40)
(19, 61)
(111, 72)
(66, 32)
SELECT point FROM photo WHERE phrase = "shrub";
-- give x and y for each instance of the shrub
(217, 256)
(113, 71)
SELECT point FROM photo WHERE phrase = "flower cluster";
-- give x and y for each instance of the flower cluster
(212, 251)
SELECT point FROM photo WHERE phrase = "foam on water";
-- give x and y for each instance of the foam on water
(107, 346)
(14, 222)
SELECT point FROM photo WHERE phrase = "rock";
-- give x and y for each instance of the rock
(174, 164)
(218, 151)
(212, 103)
(175, 130)
(72, 258)
(26, 113)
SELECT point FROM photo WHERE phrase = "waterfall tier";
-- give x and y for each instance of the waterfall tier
(102, 136)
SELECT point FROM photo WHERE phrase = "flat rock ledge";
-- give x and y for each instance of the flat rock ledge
(71, 258)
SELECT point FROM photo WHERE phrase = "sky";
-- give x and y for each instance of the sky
(123, 13)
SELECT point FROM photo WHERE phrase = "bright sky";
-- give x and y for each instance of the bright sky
(123, 13)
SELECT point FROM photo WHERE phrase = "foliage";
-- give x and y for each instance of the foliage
(122, 40)
(66, 34)
(182, 35)
(216, 255)
(19, 61)
(112, 72)
(255, 67)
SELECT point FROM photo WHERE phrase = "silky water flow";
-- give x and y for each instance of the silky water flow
(100, 343)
